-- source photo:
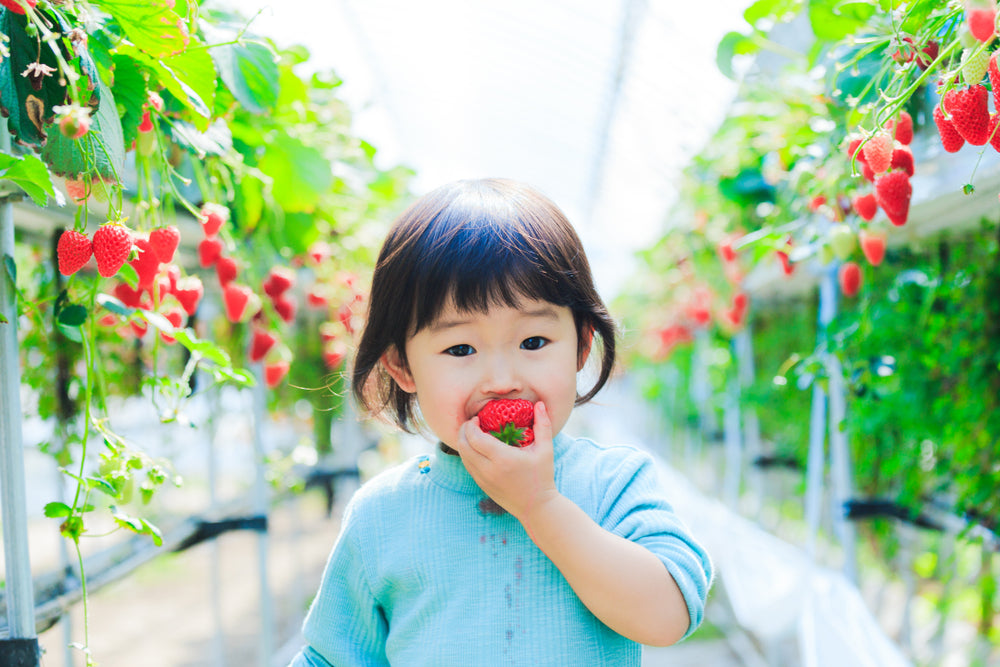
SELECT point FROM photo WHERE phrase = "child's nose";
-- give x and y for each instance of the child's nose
(501, 376)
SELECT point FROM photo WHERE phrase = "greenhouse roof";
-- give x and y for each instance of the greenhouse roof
(597, 103)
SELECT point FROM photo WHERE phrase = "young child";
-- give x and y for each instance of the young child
(560, 552)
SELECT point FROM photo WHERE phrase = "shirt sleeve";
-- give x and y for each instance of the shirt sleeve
(345, 626)
(635, 507)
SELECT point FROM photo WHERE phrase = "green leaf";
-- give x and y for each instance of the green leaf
(72, 333)
(196, 78)
(113, 304)
(104, 144)
(216, 140)
(734, 43)
(73, 315)
(190, 77)
(775, 10)
(833, 20)
(206, 349)
(154, 532)
(101, 484)
(30, 174)
(301, 173)
(56, 509)
(249, 202)
(152, 25)
(126, 521)
(250, 72)
(29, 111)
(130, 93)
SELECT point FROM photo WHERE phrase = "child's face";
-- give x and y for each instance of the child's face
(465, 359)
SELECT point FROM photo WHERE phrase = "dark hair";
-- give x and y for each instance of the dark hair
(474, 244)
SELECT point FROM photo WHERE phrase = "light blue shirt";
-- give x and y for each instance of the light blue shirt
(424, 573)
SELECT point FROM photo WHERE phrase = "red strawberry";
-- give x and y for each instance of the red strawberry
(902, 128)
(275, 372)
(893, 192)
(867, 172)
(146, 264)
(904, 53)
(873, 246)
(994, 74)
(849, 277)
(786, 263)
(130, 297)
(16, 7)
(319, 251)
(209, 251)
(982, 22)
(213, 216)
(927, 55)
(950, 138)
(315, 299)
(173, 274)
(164, 242)
(970, 113)
(278, 281)
(139, 327)
(77, 190)
(334, 355)
(73, 126)
(853, 152)
(740, 302)
(176, 317)
(902, 158)
(112, 246)
(509, 420)
(227, 269)
(866, 206)
(994, 133)
(73, 250)
(261, 343)
(878, 151)
(236, 298)
(726, 251)
(285, 307)
(189, 292)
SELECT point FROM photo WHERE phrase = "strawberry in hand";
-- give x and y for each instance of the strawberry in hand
(509, 420)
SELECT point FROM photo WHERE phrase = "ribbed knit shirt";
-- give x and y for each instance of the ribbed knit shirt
(427, 571)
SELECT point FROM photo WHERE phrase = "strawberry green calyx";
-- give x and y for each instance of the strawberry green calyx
(509, 420)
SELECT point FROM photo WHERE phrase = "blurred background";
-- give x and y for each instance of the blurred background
(791, 208)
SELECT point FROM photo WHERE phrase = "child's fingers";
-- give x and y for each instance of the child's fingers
(472, 440)
(543, 425)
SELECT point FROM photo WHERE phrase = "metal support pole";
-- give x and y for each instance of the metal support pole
(840, 469)
(815, 463)
(18, 589)
(734, 442)
(215, 569)
(751, 424)
(261, 501)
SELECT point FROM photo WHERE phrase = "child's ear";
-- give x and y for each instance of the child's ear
(398, 370)
(586, 342)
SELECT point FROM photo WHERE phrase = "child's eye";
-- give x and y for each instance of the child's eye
(534, 343)
(462, 350)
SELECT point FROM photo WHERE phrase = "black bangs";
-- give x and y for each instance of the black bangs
(476, 264)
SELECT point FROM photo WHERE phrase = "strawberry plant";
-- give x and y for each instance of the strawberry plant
(817, 167)
(218, 129)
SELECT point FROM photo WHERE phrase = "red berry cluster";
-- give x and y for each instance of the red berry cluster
(886, 161)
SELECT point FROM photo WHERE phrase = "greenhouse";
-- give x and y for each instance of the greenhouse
(464, 333)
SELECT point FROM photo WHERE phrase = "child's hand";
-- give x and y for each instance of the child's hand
(519, 479)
